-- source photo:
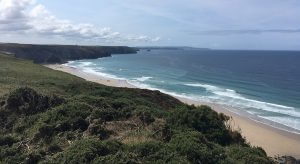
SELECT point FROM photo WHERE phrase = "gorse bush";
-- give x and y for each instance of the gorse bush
(248, 155)
(196, 147)
(28, 101)
(86, 150)
(7, 140)
(203, 119)
(64, 119)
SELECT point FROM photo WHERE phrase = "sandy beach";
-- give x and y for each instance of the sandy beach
(273, 140)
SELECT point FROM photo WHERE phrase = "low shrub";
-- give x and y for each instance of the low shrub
(54, 148)
(45, 131)
(196, 147)
(204, 120)
(86, 150)
(12, 154)
(248, 155)
(27, 101)
(111, 114)
(118, 158)
(147, 149)
(145, 116)
(7, 140)
(70, 114)
(99, 131)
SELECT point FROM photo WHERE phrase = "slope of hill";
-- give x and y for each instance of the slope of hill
(48, 116)
(61, 53)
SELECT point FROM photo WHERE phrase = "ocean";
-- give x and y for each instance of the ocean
(264, 85)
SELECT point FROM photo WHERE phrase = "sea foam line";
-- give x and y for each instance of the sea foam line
(106, 75)
(143, 78)
(87, 68)
(228, 96)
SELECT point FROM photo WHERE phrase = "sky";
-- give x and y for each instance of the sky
(216, 24)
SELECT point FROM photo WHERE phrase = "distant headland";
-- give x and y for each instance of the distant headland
(61, 53)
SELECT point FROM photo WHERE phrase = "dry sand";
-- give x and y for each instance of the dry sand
(273, 140)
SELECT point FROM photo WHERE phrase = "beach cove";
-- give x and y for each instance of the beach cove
(273, 140)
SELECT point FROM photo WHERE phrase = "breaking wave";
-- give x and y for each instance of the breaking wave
(289, 116)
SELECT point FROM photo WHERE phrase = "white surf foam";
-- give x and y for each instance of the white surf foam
(98, 73)
(216, 90)
(85, 64)
(230, 96)
(69, 62)
(289, 122)
(143, 78)
(147, 86)
(88, 67)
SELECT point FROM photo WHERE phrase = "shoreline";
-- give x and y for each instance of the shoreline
(274, 141)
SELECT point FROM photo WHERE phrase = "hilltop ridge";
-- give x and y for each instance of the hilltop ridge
(61, 53)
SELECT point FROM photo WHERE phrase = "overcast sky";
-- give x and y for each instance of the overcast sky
(219, 24)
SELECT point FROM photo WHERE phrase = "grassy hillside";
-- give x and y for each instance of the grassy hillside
(48, 116)
(62, 53)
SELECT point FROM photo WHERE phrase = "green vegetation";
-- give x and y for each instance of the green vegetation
(48, 116)
(62, 53)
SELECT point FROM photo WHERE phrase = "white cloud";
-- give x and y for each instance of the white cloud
(239, 32)
(145, 38)
(29, 17)
(13, 16)
(156, 39)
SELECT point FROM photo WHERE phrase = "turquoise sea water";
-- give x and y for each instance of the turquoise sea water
(263, 84)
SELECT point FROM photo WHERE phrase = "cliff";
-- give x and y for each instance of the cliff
(61, 53)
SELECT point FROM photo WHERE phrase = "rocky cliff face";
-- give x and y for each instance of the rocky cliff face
(62, 53)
